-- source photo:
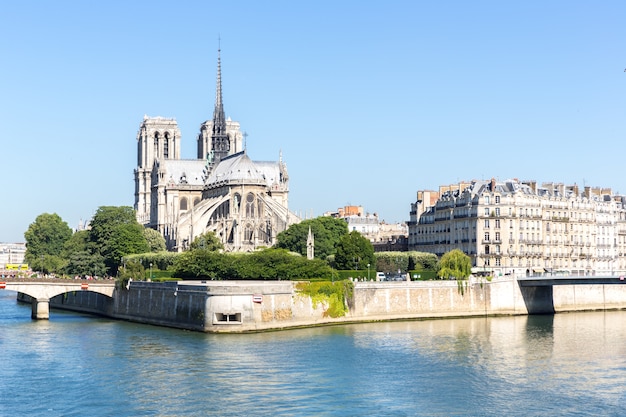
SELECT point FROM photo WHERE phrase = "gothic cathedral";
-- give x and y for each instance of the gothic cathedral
(244, 202)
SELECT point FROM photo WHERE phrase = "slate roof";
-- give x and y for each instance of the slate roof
(183, 171)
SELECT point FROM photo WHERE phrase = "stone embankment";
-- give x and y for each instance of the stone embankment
(243, 306)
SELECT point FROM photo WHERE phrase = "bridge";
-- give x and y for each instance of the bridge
(42, 291)
(538, 291)
(546, 281)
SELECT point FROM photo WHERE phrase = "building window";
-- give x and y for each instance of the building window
(183, 204)
(166, 146)
(497, 199)
(250, 205)
(486, 199)
(497, 223)
(156, 144)
(487, 223)
(486, 236)
(486, 211)
(497, 236)
(497, 211)
(486, 249)
(248, 234)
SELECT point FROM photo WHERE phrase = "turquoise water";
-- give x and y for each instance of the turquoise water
(75, 365)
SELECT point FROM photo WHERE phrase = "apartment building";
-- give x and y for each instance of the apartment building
(517, 227)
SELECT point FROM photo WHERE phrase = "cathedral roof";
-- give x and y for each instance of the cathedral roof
(271, 171)
(183, 171)
(238, 167)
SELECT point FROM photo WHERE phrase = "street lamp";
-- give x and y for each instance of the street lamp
(150, 277)
(368, 272)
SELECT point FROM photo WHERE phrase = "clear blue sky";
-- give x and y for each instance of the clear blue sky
(369, 101)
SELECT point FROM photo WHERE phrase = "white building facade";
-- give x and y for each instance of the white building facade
(514, 227)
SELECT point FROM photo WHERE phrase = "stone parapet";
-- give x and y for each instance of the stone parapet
(244, 306)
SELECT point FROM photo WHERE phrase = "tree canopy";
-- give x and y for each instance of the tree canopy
(155, 240)
(354, 252)
(326, 233)
(115, 233)
(455, 264)
(268, 264)
(207, 241)
(45, 240)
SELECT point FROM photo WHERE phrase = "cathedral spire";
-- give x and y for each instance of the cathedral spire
(220, 143)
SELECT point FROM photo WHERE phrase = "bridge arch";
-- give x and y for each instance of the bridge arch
(42, 292)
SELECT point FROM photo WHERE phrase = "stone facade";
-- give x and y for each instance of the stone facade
(244, 202)
(514, 227)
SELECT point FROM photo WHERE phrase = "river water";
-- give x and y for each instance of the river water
(77, 365)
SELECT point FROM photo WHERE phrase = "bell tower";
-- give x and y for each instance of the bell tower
(158, 139)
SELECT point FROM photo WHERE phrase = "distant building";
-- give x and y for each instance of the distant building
(519, 227)
(12, 256)
(244, 202)
(384, 236)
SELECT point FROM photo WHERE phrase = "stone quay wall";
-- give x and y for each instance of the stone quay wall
(243, 306)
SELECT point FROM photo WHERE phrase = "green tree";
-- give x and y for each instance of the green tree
(207, 241)
(455, 264)
(114, 234)
(268, 264)
(45, 239)
(326, 233)
(155, 240)
(131, 269)
(354, 252)
(79, 242)
(84, 263)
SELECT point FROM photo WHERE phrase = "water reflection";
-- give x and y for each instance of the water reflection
(538, 365)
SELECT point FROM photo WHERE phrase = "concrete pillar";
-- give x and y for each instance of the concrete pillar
(40, 309)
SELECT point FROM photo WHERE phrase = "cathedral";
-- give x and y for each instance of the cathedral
(244, 202)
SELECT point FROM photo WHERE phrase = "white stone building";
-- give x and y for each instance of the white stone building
(244, 202)
(514, 227)
(12, 255)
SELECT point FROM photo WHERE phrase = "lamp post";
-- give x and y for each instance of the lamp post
(150, 277)
(368, 272)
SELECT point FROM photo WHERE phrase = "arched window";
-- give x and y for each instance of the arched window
(166, 146)
(156, 144)
(183, 203)
(250, 205)
(248, 234)
(196, 201)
